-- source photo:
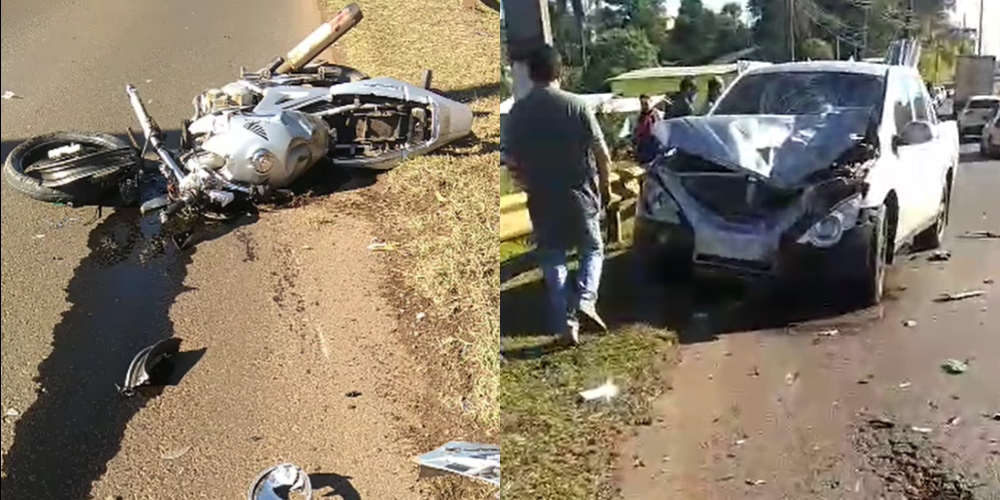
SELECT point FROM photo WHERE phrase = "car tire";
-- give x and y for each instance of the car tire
(872, 276)
(933, 237)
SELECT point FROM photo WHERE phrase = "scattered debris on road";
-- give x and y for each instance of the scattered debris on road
(791, 378)
(955, 367)
(280, 482)
(474, 461)
(922, 430)
(955, 297)
(940, 256)
(994, 417)
(829, 333)
(177, 454)
(910, 323)
(881, 423)
(756, 482)
(953, 421)
(151, 367)
(12, 413)
(981, 235)
(905, 385)
(8, 95)
(381, 247)
(354, 394)
(421, 317)
(607, 392)
(988, 281)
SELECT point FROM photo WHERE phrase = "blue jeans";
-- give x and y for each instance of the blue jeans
(564, 303)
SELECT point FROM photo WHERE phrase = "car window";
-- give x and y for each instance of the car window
(801, 93)
(903, 104)
(984, 104)
(921, 101)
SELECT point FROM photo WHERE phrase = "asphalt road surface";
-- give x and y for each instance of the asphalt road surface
(270, 352)
(848, 406)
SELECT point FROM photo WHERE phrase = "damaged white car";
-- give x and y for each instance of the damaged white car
(802, 170)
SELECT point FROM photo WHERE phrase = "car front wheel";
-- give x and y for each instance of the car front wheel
(872, 274)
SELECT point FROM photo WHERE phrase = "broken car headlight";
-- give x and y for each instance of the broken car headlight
(263, 161)
(659, 205)
(830, 229)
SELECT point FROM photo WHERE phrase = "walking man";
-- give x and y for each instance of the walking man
(558, 154)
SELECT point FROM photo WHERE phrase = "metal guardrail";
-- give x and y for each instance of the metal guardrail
(626, 183)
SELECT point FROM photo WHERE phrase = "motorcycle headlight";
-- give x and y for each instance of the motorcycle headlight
(830, 229)
(263, 161)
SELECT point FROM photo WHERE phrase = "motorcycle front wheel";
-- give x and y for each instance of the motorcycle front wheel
(92, 179)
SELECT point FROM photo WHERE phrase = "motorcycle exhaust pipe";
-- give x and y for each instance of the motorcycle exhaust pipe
(321, 39)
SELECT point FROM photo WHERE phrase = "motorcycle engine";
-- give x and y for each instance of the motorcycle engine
(272, 150)
(231, 97)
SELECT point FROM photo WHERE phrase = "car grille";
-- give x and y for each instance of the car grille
(738, 198)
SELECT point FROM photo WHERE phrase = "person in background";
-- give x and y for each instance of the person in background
(715, 88)
(642, 136)
(684, 100)
(558, 154)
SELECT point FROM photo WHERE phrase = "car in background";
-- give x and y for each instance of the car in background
(978, 113)
(990, 145)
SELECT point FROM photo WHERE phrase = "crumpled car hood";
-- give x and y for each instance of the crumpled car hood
(785, 150)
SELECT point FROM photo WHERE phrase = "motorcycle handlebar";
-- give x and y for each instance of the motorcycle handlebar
(153, 134)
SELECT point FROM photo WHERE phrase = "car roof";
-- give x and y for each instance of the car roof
(861, 68)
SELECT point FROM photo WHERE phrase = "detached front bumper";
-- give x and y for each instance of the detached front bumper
(793, 262)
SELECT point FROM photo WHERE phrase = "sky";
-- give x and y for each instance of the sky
(991, 44)
(970, 8)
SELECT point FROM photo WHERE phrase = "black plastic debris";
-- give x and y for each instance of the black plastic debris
(940, 256)
(354, 394)
(279, 483)
(151, 367)
(955, 297)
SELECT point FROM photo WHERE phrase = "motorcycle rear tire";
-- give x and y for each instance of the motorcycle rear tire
(82, 192)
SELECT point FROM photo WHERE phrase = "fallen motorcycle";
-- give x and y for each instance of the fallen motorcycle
(250, 139)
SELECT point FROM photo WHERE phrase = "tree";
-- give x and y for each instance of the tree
(694, 36)
(615, 52)
(817, 49)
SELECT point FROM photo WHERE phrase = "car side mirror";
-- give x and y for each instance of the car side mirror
(914, 133)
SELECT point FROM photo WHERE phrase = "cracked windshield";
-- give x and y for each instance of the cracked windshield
(748, 249)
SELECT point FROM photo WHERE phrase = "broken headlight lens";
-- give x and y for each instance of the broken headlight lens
(263, 161)
(830, 229)
(659, 206)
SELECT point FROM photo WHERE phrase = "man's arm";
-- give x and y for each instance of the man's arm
(600, 148)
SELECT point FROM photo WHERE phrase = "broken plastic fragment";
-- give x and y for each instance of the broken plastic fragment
(421, 317)
(176, 454)
(981, 235)
(382, 247)
(8, 95)
(905, 385)
(940, 256)
(150, 367)
(829, 333)
(12, 413)
(953, 421)
(955, 367)
(607, 392)
(995, 417)
(758, 482)
(954, 297)
(280, 483)
(910, 323)
(474, 461)
(922, 430)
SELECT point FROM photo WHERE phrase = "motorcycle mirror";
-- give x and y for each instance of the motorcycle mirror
(280, 482)
(152, 366)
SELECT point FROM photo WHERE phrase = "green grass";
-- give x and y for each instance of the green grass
(557, 448)
(506, 184)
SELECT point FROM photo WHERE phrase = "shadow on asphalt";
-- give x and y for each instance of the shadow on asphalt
(698, 311)
(334, 486)
(119, 299)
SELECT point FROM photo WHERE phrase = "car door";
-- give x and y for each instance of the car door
(917, 162)
(938, 157)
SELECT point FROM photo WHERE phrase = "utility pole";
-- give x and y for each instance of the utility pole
(791, 28)
(528, 29)
(982, 12)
